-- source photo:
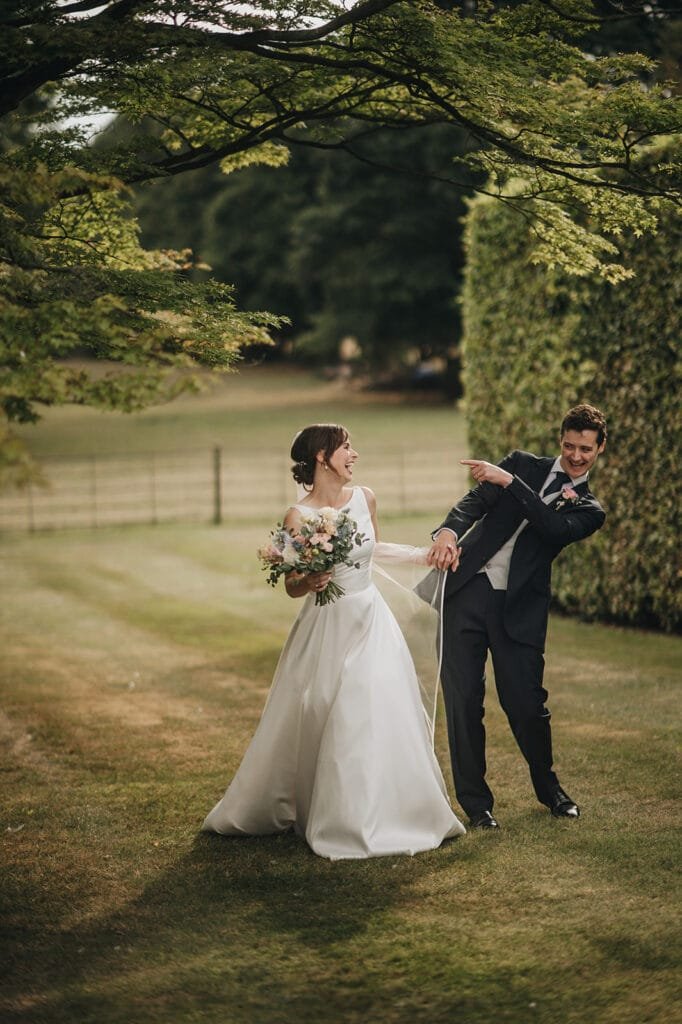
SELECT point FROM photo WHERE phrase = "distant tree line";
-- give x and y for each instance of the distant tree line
(343, 246)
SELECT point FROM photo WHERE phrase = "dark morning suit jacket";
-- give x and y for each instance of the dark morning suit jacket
(487, 517)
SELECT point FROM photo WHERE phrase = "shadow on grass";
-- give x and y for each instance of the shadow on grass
(275, 885)
(227, 909)
(276, 934)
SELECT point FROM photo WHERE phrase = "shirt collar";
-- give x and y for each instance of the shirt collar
(556, 468)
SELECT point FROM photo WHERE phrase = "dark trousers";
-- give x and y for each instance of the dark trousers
(473, 625)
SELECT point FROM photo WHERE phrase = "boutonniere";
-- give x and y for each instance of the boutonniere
(568, 497)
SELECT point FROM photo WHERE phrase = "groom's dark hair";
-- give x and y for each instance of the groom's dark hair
(585, 417)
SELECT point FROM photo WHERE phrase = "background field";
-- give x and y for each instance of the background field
(135, 664)
(258, 408)
(223, 455)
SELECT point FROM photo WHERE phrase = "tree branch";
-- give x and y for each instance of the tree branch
(484, 134)
(623, 14)
(16, 88)
(361, 12)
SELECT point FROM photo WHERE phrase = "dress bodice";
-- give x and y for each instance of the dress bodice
(351, 579)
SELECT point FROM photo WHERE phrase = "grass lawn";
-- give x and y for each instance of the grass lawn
(136, 662)
(135, 665)
(259, 408)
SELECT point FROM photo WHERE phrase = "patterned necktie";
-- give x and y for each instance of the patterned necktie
(555, 485)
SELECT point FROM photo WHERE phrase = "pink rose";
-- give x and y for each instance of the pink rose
(269, 553)
(568, 494)
(320, 539)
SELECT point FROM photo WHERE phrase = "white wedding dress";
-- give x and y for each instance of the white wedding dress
(343, 751)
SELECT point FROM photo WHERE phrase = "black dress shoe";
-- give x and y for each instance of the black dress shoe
(483, 820)
(561, 805)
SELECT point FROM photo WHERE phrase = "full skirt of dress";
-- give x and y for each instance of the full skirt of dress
(343, 752)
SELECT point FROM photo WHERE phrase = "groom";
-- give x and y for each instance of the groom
(499, 542)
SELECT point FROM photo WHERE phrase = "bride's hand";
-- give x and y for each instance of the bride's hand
(298, 584)
(317, 581)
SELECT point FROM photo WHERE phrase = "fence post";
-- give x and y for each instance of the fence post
(93, 491)
(31, 519)
(152, 480)
(217, 486)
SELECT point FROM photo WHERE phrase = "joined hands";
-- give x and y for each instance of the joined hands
(444, 552)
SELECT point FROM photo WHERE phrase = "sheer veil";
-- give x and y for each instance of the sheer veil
(414, 593)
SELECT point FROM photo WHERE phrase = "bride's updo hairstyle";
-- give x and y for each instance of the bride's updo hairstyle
(320, 437)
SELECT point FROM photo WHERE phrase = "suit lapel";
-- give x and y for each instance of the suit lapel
(540, 473)
(534, 476)
(520, 565)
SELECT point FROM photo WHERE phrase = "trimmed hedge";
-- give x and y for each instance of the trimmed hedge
(537, 342)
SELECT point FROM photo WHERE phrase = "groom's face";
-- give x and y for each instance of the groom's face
(579, 452)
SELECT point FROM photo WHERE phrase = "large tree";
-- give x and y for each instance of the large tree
(559, 136)
(338, 246)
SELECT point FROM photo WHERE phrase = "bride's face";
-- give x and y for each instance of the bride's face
(342, 460)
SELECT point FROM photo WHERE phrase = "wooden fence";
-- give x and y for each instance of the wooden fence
(214, 485)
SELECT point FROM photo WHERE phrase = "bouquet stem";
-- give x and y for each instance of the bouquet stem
(330, 593)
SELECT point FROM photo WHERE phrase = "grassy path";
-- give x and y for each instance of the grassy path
(135, 664)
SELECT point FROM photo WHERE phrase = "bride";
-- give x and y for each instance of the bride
(343, 751)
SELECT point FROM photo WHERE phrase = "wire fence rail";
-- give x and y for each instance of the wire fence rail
(213, 485)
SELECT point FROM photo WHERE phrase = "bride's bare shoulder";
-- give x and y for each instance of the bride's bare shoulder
(292, 517)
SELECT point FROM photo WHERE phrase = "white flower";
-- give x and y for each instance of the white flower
(289, 553)
(329, 519)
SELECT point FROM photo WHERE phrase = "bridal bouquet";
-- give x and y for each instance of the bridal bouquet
(325, 538)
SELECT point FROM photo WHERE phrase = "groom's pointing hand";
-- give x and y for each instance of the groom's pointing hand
(487, 472)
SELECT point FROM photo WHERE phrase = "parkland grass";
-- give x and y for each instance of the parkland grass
(135, 665)
(257, 409)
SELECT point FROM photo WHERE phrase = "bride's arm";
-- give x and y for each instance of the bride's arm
(299, 584)
(403, 553)
(385, 552)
